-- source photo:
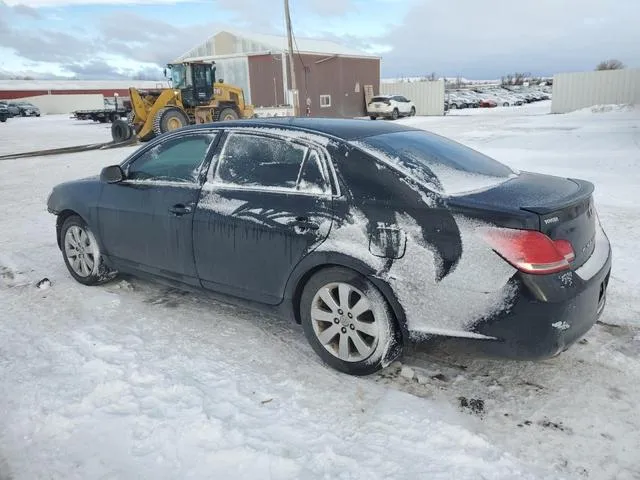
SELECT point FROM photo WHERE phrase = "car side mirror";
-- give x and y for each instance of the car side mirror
(112, 174)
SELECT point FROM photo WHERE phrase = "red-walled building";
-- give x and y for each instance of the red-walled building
(332, 78)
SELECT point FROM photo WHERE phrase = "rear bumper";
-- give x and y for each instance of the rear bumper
(380, 112)
(550, 313)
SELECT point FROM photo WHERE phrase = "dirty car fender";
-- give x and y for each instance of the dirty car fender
(80, 197)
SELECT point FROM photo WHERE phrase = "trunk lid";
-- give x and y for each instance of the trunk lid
(564, 207)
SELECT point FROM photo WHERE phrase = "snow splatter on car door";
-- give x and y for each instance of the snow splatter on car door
(267, 204)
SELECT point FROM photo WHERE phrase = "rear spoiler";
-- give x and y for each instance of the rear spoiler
(585, 191)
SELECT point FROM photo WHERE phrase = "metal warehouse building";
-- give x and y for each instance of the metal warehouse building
(331, 79)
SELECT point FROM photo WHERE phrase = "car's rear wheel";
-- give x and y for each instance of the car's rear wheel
(348, 322)
(373, 117)
(412, 113)
(81, 253)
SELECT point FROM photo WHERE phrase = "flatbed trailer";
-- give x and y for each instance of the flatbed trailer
(103, 115)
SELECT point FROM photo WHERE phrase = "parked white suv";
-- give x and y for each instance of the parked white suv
(390, 106)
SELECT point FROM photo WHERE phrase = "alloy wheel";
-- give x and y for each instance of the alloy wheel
(344, 322)
(80, 249)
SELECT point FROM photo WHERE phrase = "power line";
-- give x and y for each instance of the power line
(304, 66)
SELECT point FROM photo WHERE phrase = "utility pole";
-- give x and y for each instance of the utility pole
(292, 71)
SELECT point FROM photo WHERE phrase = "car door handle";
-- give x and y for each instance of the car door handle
(303, 223)
(180, 209)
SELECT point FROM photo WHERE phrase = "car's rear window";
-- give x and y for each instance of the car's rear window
(425, 155)
(379, 99)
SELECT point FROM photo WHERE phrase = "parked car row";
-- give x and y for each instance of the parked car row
(20, 108)
(494, 97)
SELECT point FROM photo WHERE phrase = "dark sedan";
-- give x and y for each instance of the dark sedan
(25, 109)
(368, 234)
(4, 113)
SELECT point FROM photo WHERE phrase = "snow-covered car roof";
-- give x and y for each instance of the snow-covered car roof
(339, 128)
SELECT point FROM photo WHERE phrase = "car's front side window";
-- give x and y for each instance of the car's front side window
(176, 160)
(250, 160)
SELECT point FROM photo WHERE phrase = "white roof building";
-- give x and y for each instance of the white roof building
(232, 42)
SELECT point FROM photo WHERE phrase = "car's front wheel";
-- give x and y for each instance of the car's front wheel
(81, 253)
(348, 322)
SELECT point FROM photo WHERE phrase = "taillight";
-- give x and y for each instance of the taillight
(566, 249)
(530, 251)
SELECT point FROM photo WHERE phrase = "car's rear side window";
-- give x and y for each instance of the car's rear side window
(425, 155)
(251, 160)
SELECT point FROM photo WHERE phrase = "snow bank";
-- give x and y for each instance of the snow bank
(605, 108)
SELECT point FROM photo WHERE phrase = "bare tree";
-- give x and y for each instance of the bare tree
(520, 77)
(432, 77)
(611, 64)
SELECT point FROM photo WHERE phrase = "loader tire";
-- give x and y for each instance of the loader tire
(120, 131)
(168, 119)
(228, 114)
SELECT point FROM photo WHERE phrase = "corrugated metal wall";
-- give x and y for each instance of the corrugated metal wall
(340, 80)
(572, 91)
(427, 96)
(265, 72)
(235, 71)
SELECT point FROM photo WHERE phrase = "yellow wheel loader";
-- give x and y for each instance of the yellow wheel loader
(194, 97)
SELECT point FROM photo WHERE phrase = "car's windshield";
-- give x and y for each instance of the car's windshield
(427, 156)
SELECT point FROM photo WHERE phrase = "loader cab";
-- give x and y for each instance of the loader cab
(195, 82)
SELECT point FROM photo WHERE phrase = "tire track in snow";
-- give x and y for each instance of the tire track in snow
(455, 377)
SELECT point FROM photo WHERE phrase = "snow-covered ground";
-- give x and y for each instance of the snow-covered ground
(31, 134)
(132, 380)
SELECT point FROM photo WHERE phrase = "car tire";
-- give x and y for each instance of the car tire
(350, 336)
(453, 106)
(505, 104)
(412, 113)
(395, 114)
(373, 117)
(81, 253)
(3, 119)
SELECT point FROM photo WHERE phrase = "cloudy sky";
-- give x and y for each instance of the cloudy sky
(475, 39)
